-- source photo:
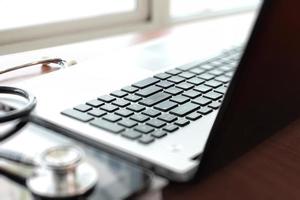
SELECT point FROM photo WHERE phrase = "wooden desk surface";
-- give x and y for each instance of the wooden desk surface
(269, 171)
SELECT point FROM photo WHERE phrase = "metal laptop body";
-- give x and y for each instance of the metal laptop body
(264, 94)
(172, 157)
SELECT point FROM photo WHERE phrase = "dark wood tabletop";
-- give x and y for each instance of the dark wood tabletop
(269, 171)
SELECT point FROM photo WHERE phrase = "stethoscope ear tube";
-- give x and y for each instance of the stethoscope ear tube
(18, 126)
(21, 116)
(18, 113)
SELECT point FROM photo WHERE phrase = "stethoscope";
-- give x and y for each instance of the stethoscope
(58, 172)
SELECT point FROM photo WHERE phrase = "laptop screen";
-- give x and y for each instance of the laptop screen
(264, 94)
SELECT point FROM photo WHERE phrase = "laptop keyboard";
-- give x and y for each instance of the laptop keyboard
(157, 106)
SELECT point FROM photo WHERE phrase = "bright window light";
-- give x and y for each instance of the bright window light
(187, 8)
(16, 13)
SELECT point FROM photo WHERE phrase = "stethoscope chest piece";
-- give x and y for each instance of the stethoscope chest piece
(62, 174)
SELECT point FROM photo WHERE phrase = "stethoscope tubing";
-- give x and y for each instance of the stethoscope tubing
(18, 113)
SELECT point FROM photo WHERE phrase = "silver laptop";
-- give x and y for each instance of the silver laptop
(159, 119)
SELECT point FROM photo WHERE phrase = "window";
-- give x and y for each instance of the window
(57, 10)
(189, 9)
(32, 19)
(62, 21)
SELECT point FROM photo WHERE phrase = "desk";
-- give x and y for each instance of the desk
(269, 171)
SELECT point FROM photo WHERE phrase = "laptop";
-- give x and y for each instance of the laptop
(197, 116)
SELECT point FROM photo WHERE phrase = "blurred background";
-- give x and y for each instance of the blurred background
(63, 21)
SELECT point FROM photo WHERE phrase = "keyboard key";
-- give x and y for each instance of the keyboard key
(106, 125)
(156, 123)
(124, 112)
(112, 117)
(118, 93)
(214, 105)
(83, 108)
(185, 109)
(179, 99)
(229, 74)
(195, 81)
(216, 72)
(170, 128)
(144, 128)
(194, 116)
(207, 66)
(165, 84)
(201, 101)
(186, 67)
(225, 68)
(95, 103)
(133, 98)
(167, 117)
(173, 91)
(182, 122)
(146, 82)
(226, 61)
(128, 123)
(173, 72)
(213, 95)
(176, 79)
(158, 134)
(185, 86)
(234, 63)
(162, 76)
(136, 107)
(106, 98)
(204, 110)
(148, 91)
(206, 76)
(154, 99)
(146, 139)
(97, 112)
(131, 134)
(217, 63)
(186, 75)
(197, 70)
(109, 108)
(130, 89)
(223, 79)
(221, 90)
(213, 83)
(222, 61)
(77, 115)
(165, 106)
(191, 94)
(121, 103)
(151, 112)
(139, 118)
(202, 88)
